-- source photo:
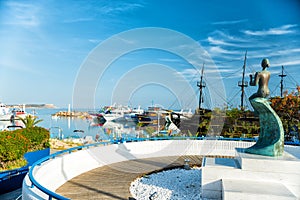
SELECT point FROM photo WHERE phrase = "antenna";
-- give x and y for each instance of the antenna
(243, 84)
(281, 82)
(201, 84)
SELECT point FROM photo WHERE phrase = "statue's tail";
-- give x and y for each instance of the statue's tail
(271, 137)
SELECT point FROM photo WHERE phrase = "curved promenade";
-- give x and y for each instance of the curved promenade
(53, 173)
(110, 182)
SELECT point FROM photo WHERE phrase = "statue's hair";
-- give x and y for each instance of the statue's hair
(265, 63)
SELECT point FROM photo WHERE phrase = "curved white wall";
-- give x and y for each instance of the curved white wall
(55, 172)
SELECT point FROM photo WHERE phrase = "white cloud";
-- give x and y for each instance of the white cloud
(230, 22)
(220, 50)
(282, 30)
(287, 63)
(226, 36)
(113, 8)
(22, 14)
(214, 41)
(194, 74)
(78, 20)
(289, 51)
(189, 72)
(95, 41)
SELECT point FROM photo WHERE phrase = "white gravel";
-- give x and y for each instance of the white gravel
(167, 185)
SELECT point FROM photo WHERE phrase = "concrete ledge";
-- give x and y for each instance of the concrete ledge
(245, 189)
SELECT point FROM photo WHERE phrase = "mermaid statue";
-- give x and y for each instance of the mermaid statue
(271, 137)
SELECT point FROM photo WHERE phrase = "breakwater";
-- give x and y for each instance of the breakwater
(72, 114)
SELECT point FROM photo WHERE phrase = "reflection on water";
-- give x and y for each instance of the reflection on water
(61, 127)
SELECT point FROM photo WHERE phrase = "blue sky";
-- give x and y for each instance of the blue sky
(44, 46)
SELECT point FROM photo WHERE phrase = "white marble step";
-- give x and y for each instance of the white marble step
(287, 163)
(248, 190)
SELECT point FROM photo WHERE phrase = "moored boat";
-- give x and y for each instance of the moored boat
(7, 114)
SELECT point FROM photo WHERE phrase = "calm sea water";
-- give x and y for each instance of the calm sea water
(66, 127)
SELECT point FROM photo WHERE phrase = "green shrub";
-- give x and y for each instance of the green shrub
(38, 137)
(13, 145)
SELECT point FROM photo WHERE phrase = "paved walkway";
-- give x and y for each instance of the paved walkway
(113, 181)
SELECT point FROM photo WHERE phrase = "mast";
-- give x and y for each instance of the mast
(281, 82)
(201, 84)
(243, 84)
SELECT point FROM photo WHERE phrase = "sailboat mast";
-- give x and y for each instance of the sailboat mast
(201, 85)
(243, 83)
(281, 81)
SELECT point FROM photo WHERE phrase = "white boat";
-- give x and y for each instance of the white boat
(7, 114)
(120, 113)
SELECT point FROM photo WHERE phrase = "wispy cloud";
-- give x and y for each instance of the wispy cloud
(99, 10)
(289, 51)
(22, 14)
(226, 36)
(214, 41)
(115, 8)
(230, 22)
(95, 41)
(189, 72)
(78, 20)
(220, 50)
(194, 74)
(288, 63)
(282, 30)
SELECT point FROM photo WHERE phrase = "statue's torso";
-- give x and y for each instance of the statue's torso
(264, 78)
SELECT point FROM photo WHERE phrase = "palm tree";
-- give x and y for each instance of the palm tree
(30, 121)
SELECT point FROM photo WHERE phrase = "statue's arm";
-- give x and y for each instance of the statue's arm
(254, 82)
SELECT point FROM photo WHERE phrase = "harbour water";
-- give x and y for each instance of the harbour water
(68, 127)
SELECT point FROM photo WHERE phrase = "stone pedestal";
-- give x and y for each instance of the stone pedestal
(250, 176)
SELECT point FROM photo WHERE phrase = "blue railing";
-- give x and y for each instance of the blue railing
(9, 174)
(52, 194)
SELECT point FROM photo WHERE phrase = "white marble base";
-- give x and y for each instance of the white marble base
(221, 176)
(246, 189)
(281, 164)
